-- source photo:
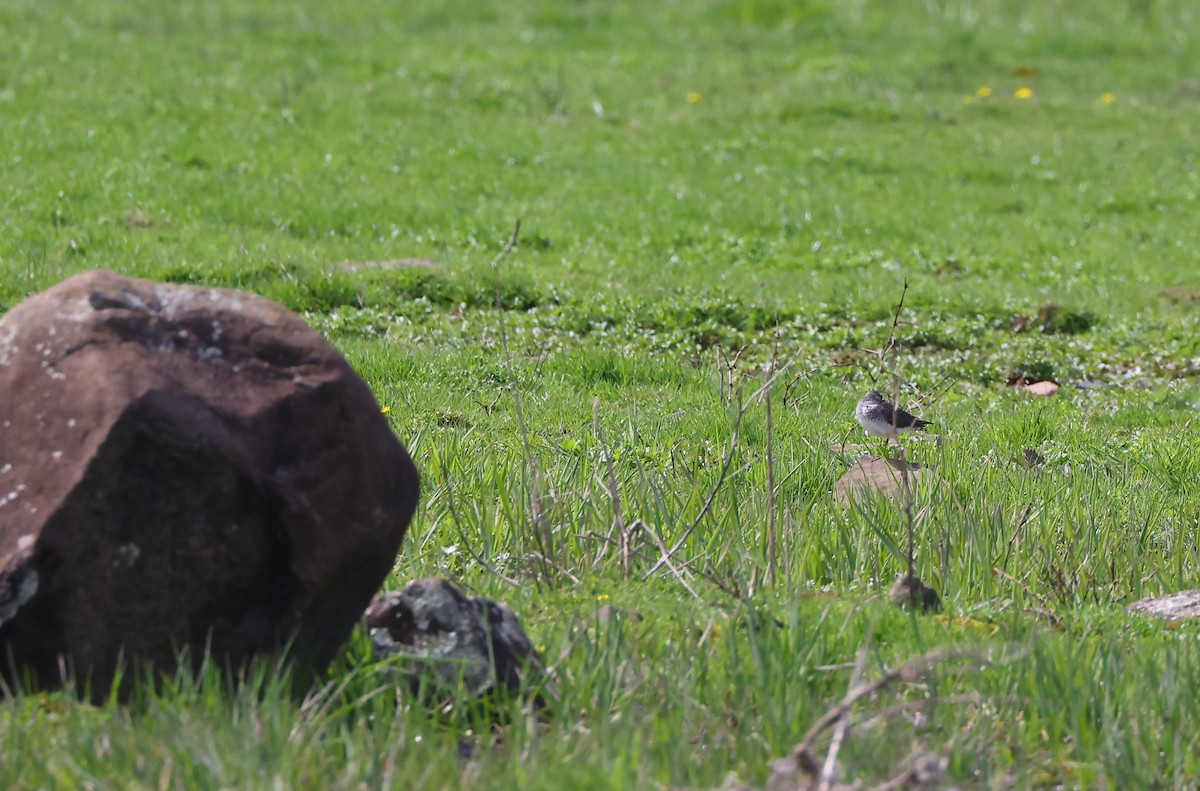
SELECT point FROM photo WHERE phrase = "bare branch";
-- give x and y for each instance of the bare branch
(530, 474)
(934, 393)
(839, 733)
(914, 591)
(487, 408)
(708, 502)
(639, 525)
(509, 246)
(462, 535)
(772, 526)
(1042, 612)
(623, 550)
(1016, 533)
(891, 341)
(769, 378)
(912, 670)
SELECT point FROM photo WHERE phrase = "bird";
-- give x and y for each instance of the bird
(881, 418)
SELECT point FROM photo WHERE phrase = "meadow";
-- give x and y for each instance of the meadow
(720, 203)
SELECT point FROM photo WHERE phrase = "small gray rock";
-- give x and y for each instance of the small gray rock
(448, 636)
(1175, 607)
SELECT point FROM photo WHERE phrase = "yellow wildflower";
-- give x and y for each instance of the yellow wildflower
(602, 597)
(1108, 97)
(983, 92)
(386, 410)
(1023, 93)
(694, 97)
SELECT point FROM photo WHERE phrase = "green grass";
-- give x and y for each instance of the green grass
(693, 179)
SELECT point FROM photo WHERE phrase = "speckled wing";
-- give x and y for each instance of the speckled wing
(902, 420)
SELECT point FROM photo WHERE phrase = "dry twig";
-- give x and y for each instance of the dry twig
(915, 669)
(478, 558)
(772, 527)
(541, 532)
(728, 460)
(624, 552)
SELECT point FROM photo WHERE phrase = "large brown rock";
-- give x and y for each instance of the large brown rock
(184, 467)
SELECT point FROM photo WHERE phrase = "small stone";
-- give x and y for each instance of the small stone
(448, 637)
(1174, 607)
(876, 474)
(908, 590)
(1042, 388)
(1181, 294)
(1031, 458)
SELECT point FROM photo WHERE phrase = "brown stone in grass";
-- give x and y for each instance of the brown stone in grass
(184, 467)
(1042, 388)
(876, 474)
(1031, 458)
(1181, 294)
(909, 592)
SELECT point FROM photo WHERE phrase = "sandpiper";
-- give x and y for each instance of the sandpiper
(881, 418)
